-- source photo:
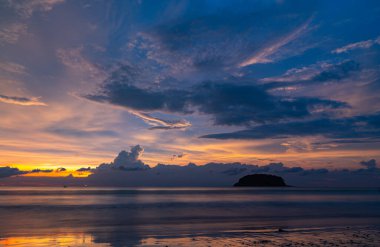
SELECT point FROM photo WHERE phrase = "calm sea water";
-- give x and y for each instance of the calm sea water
(131, 216)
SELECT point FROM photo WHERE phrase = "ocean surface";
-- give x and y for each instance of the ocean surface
(145, 216)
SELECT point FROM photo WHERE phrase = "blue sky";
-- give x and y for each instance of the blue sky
(190, 81)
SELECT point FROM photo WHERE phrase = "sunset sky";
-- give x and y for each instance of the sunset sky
(256, 82)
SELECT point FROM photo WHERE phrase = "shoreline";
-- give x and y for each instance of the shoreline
(320, 236)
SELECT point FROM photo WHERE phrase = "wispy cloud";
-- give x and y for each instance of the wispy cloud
(263, 56)
(34, 101)
(73, 59)
(12, 33)
(27, 8)
(358, 45)
(12, 68)
(158, 123)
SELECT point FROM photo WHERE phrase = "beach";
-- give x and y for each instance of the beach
(189, 217)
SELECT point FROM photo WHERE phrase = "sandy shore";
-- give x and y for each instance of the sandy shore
(316, 237)
(358, 236)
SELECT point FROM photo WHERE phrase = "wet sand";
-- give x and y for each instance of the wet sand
(318, 237)
(358, 236)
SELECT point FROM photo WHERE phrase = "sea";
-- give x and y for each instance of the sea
(41, 216)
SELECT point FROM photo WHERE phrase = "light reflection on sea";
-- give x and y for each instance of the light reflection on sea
(147, 216)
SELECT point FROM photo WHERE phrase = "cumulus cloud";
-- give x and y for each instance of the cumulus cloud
(9, 171)
(128, 169)
(226, 174)
(24, 101)
(358, 45)
(126, 161)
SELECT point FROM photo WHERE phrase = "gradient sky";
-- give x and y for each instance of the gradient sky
(191, 81)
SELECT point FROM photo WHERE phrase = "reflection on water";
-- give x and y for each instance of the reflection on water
(142, 216)
(48, 241)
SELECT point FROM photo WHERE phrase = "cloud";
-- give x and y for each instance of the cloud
(313, 74)
(263, 56)
(117, 90)
(41, 170)
(337, 72)
(21, 101)
(167, 63)
(352, 128)
(178, 156)
(61, 169)
(73, 58)
(358, 45)
(210, 44)
(226, 174)
(26, 8)
(85, 169)
(370, 164)
(8, 172)
(243, 104)
(12, 68)
(161, 123)
(228, 103)
(126, 161)
(12, 33)
(128, 169)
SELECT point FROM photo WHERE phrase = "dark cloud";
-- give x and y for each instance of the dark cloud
(42, 170)
(370, 164)
(61, 169)
(9, 171)
(24, 101)
(84, 169)
(178, 156)
(227, 103)
(354, 127)
(338, 71)
(127, 95)
(232, 104)
(310, 76)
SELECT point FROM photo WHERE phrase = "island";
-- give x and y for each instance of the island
(261, 180)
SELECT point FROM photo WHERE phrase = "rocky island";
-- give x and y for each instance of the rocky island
(261, 180)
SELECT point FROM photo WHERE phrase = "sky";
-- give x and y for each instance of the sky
(255, 82)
